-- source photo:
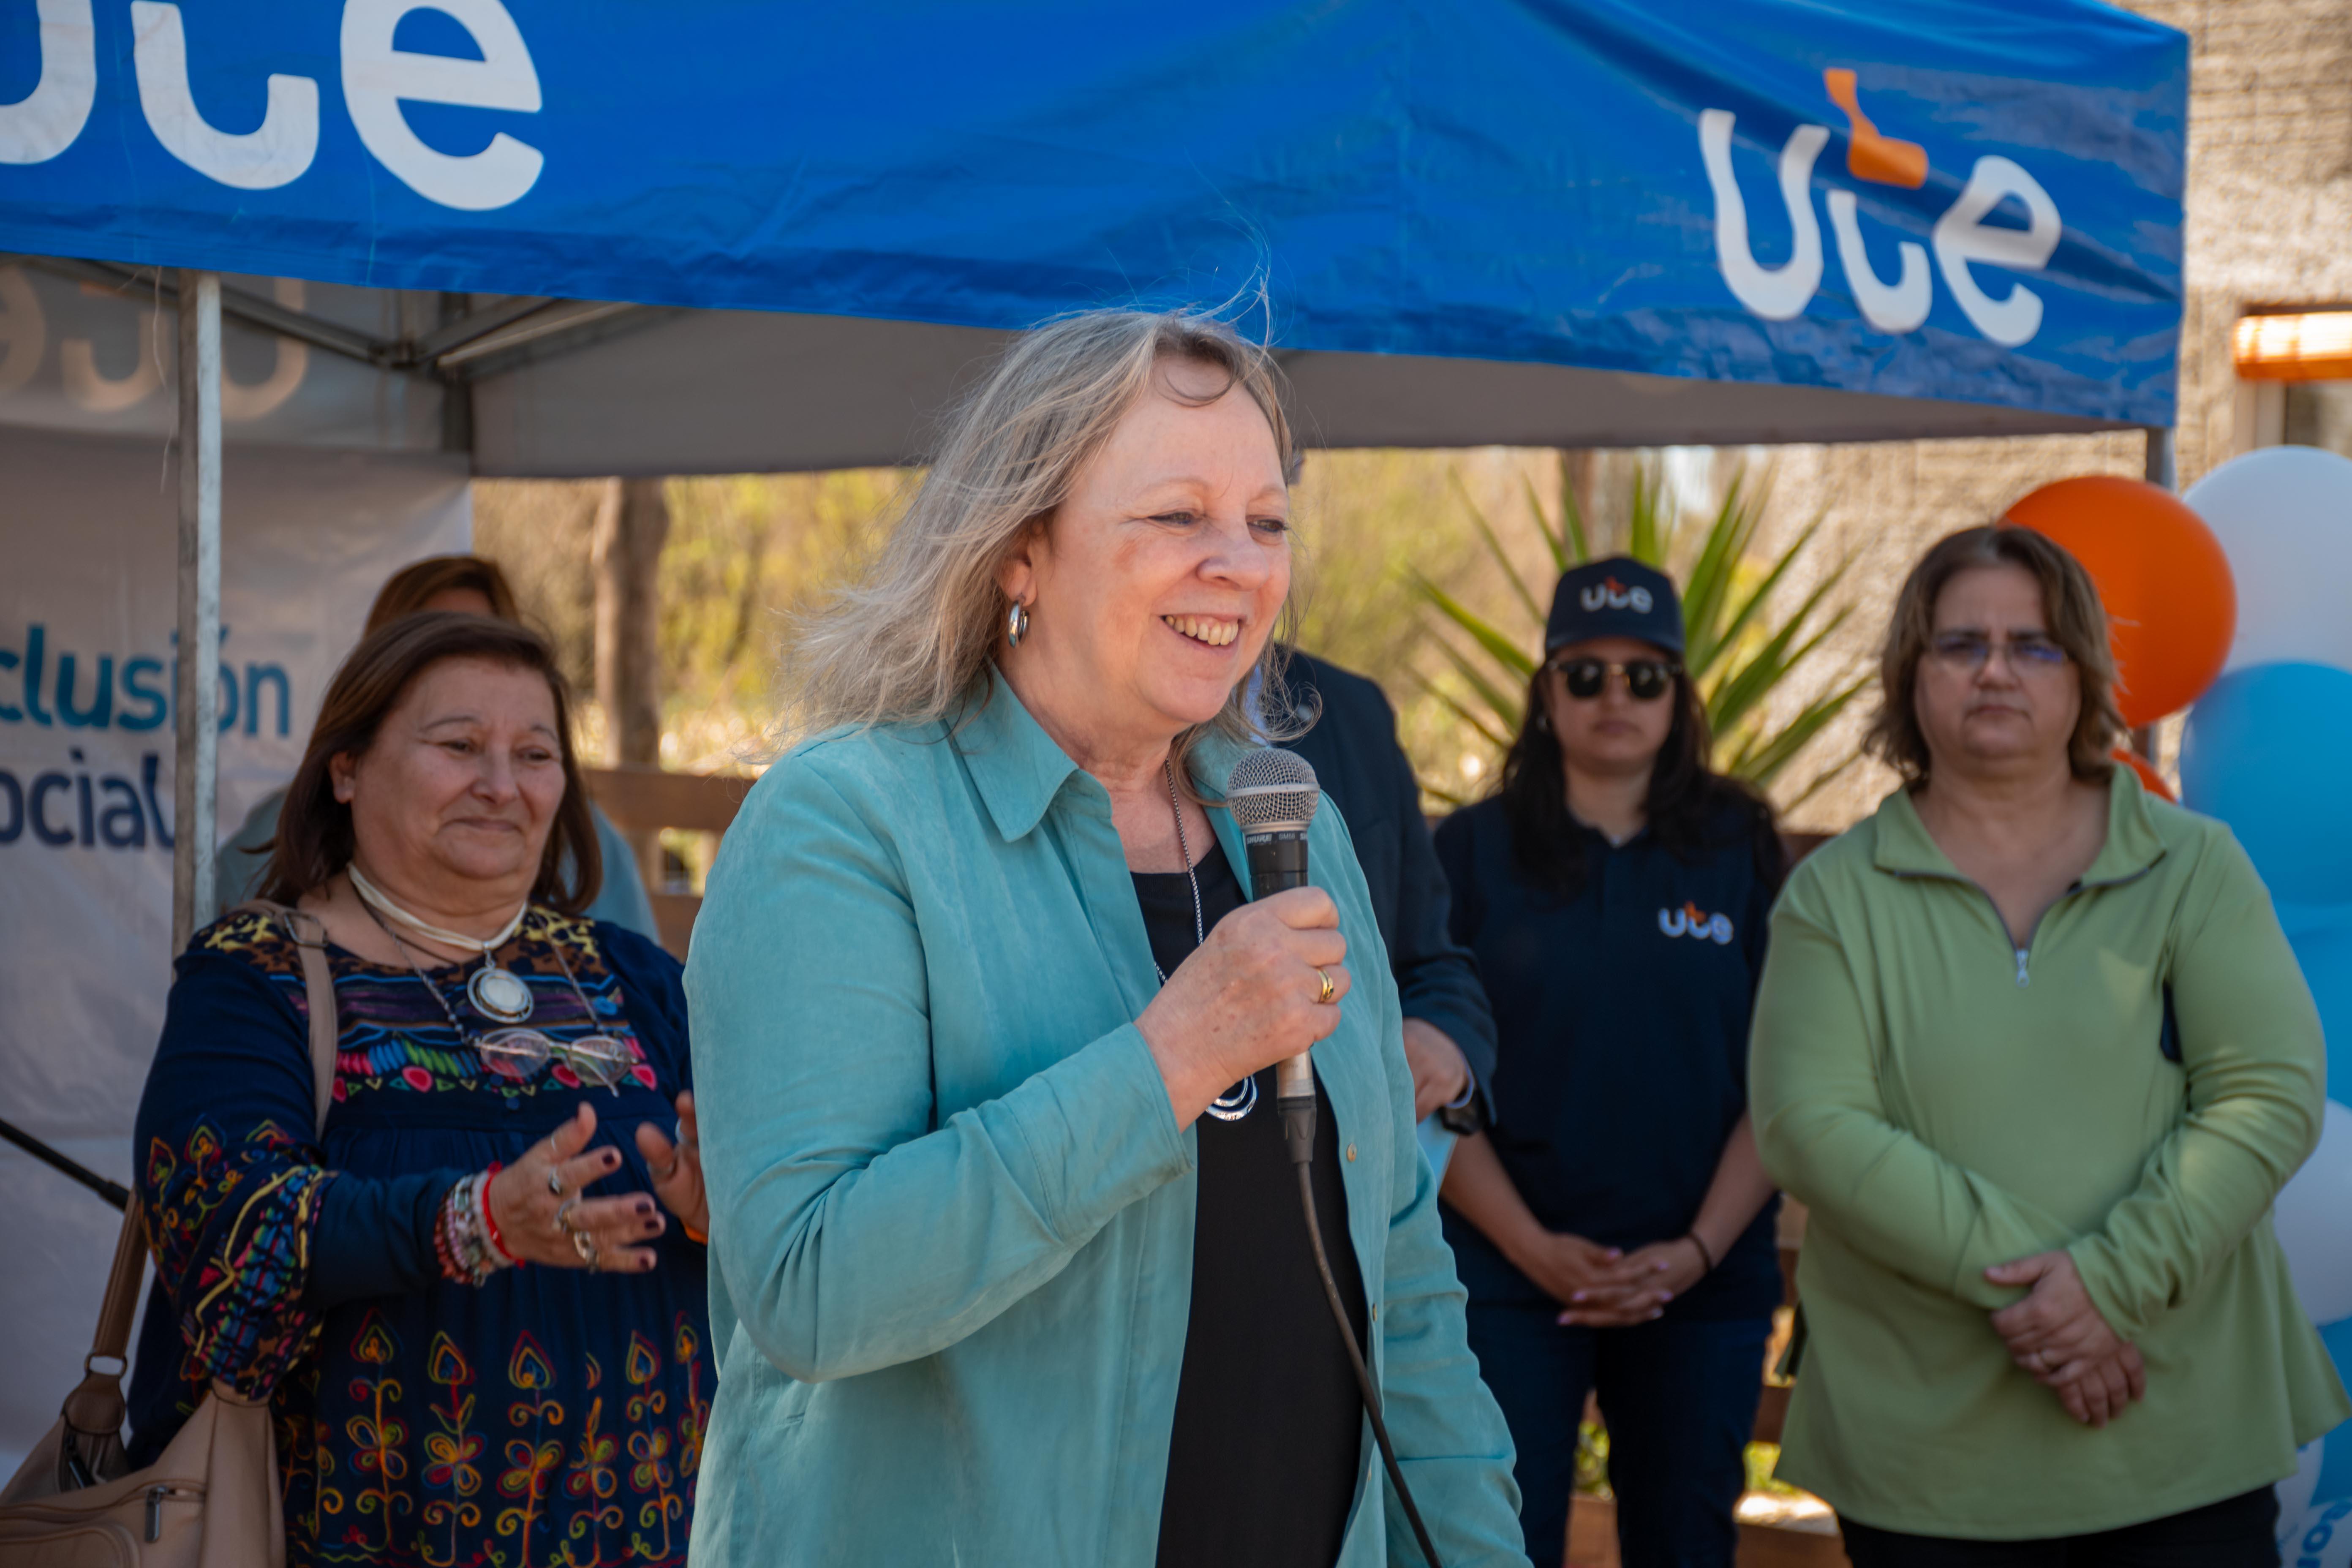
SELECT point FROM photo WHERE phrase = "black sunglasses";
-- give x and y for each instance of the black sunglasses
(1647, 679)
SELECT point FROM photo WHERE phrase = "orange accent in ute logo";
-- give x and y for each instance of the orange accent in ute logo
(1869, 155)
(1690, 921)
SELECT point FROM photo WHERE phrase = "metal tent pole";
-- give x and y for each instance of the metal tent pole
(2157, 469)
(195, 773)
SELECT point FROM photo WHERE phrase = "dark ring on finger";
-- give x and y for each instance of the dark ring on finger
(555, 1181)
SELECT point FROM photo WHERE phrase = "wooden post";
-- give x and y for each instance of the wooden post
(197, 728)
(632, 523)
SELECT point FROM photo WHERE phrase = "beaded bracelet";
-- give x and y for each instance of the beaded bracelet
(489, 1221)
(466, 1242)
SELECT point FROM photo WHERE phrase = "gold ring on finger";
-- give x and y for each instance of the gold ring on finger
(585, 1246)
(564, 1216)
(1328, 990)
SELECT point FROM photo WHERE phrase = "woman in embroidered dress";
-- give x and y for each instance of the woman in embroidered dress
(485, 1339)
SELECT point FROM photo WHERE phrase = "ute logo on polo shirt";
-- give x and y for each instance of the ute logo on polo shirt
(1615, 595)
(1689, 921)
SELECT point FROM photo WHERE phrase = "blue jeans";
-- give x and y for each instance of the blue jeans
(1680, 1402)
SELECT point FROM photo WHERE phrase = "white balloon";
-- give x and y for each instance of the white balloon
(2315, 1535)
(2314, 1219)
(2294, 1492)
(2284, 515)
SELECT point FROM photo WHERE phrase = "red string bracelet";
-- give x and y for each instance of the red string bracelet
(489, 1226)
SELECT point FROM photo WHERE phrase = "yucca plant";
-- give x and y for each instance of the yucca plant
(1741, 648)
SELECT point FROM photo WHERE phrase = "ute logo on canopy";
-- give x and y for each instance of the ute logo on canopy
(377, 80)
(1959, 237)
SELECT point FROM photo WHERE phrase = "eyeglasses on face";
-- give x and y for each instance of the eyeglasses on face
(1647, 679)
(2029, 652)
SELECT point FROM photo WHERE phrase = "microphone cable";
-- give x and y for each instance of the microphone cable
(1298, 1131)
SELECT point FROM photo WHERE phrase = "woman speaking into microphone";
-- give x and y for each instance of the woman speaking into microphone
(998, 1189)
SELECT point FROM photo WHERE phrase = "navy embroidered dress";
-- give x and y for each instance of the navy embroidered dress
(547, 1416)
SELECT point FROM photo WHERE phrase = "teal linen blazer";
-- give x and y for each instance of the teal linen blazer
(951, 1212)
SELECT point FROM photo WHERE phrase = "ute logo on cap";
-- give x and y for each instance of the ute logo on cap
(1689, 921)
(1614, 594)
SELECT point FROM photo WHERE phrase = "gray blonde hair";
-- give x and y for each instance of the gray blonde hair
(910, 641)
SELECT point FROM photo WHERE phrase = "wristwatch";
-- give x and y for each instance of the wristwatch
(1466, 1113)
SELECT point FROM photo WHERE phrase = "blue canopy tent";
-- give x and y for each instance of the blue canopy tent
(715, 235)
(1583, 222)
(724, 234)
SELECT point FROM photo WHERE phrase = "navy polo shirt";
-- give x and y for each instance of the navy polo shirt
(1621, 1017)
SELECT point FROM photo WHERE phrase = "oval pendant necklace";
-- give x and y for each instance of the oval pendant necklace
(495, 992)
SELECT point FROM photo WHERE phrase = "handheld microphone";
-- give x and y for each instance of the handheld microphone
(1272, 796)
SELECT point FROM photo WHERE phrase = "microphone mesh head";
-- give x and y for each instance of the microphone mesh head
(1271, 788)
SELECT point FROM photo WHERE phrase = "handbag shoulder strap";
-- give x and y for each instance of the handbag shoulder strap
(96, 1406)
(308, 933)
(121, 1303)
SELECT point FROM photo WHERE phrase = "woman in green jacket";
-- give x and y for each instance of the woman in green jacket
(2032, 1047)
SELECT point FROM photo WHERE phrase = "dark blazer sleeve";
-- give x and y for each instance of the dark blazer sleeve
(1436, 978)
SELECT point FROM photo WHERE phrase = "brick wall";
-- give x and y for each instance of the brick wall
(2269, 221)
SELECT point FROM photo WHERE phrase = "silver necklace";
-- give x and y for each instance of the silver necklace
(1237, 1101)
(497, 993)
(510, 1051)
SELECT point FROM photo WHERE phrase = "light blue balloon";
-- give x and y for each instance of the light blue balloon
(2269, 750)
(2335, 1467)
(2322, 940)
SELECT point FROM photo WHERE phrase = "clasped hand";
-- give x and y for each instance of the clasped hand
(1606, 1288)
(2057, 1334)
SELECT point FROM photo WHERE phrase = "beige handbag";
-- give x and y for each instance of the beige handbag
(211, 1500)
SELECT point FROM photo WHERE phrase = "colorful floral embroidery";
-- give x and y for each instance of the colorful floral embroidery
(378, 1438)
(233, 1233)
(454, 1475)
(649, 1445)
(400, 1442)
(529, 1459)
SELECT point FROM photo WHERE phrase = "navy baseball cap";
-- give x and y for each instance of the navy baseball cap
(1618, 597)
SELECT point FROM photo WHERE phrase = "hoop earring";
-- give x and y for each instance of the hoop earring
(1017, 624)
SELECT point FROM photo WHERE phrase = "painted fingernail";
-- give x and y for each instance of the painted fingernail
(1577, 1296)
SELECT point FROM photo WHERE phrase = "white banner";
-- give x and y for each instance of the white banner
(88, 548)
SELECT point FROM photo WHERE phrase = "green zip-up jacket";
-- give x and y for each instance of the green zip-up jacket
(1944, 1102)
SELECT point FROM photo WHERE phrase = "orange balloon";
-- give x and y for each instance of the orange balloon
(2172, 606)
(2148, 778)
